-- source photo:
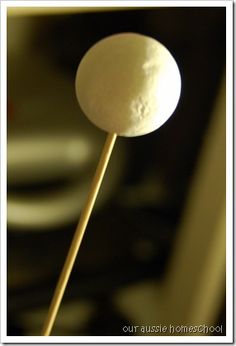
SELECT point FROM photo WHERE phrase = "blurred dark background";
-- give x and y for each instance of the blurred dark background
(53, 151)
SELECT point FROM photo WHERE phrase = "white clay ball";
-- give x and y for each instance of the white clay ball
(128, 84)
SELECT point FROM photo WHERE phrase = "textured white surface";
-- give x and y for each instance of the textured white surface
(128, 84)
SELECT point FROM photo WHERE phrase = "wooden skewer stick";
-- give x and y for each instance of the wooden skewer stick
(78, 236)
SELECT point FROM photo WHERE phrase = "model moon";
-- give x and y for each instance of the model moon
(128, 84)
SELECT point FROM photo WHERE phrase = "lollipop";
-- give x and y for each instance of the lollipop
(128, 85)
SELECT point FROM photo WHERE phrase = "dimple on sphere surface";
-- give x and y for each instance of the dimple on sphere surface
(128, 84)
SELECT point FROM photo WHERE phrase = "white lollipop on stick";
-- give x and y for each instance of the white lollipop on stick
(129, 85)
